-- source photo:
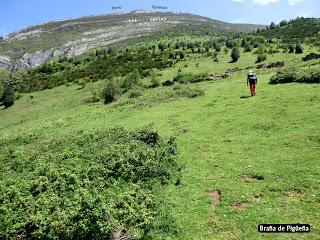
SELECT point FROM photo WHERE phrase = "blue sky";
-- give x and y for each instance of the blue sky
(18, 14)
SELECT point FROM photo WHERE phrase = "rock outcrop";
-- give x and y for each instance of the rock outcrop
(70, 38)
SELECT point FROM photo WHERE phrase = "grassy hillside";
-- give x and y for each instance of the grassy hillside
(245, 160)
(295, 31)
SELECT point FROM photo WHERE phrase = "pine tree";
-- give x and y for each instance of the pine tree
(235, 54)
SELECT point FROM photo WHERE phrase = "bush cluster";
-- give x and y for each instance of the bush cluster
(86, 186)
(261, 57)
(187, 92)
(7, 96)
(186, 78)
(291, 75)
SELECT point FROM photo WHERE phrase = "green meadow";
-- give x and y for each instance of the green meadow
(245, 160)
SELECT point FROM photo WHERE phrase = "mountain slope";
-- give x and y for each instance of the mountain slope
(37, 44)
(297, 30)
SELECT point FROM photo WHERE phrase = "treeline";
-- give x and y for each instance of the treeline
(293, 31)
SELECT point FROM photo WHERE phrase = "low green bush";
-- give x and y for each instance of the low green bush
(111, 91)
(186, 78)
(8, 97)
(155, 82)
(261, 58)
(291, 75)
(186, 91)
(86, 186)
(135, 93)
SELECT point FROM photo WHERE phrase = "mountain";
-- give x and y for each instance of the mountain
(37, 44)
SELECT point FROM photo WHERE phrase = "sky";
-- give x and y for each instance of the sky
(18, 14)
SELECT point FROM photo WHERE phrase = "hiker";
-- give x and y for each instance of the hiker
(252, 80)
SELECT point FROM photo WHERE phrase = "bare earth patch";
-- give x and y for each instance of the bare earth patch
(257, 197)
(239, 206)
(295, 193)
(252, 177)
(215, 196)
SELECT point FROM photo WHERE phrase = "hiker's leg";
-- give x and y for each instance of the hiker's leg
(251, 89)
(254, 89)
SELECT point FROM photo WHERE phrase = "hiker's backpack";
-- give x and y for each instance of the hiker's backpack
(252, 76)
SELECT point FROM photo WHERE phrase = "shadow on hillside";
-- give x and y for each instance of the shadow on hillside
(245, 96)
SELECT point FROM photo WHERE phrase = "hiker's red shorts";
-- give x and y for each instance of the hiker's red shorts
(253, 88)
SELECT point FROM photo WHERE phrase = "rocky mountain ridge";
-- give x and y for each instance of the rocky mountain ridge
(35, 45)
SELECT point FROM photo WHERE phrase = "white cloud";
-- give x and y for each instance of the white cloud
(267, 2)
(264, 2)
(294, 2)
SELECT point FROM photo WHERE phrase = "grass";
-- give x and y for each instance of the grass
(224, 137)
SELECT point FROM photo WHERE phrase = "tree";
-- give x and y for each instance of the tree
(299, 48)
(235, 54)
(230, 44)
(273, 25)
(256, 44)
(8, 97)
(283, 23)
(244, 43)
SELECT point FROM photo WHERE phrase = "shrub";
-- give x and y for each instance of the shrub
(155, 82)
(131, 80)
(8, 97)
(135, 93)
(284, 76)
(181, 55)
(94, 98)
(230, 44)
(186, 78)
(248, 49)
(217, 47)
(261, 58)
(291, 48)
(299, 48)
(235, 54)
(66, 189)
(82, 84)
(256, 44)
(111, 91)
(291, 75)
(168, 83)
(309, 57)
(187, 91)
